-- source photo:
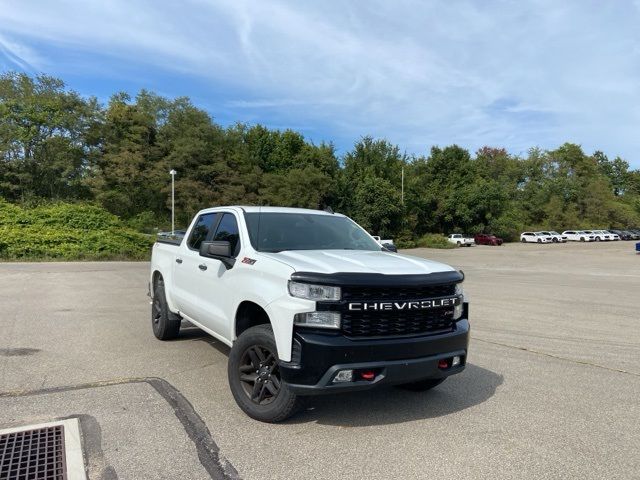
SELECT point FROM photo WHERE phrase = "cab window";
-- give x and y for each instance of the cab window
(201, 230)
(228, 230)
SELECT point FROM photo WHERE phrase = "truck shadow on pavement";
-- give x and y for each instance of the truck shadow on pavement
(390, 405)
(193, 333)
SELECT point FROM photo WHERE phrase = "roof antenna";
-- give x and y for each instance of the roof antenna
(328, 209)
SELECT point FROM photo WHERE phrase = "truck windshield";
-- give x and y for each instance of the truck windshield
(275, 232)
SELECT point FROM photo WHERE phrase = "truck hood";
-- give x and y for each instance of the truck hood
(358, 261)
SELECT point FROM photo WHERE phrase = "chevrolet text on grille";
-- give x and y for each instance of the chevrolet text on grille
(415, 305)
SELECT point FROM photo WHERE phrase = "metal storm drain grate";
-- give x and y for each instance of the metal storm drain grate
(33, 454)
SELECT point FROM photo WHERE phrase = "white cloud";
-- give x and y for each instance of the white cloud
(419, 73)
(19, 55)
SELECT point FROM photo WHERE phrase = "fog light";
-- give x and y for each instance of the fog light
(318, 319)
(343, 376)
(455, 361)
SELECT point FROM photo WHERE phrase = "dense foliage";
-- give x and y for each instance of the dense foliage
(67, 232)
(58, 146)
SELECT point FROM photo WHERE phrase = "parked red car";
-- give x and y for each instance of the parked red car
(487, 239)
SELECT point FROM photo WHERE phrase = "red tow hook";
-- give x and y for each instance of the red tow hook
(443, 364)
(368, 375)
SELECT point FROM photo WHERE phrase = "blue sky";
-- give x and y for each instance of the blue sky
(421, 73)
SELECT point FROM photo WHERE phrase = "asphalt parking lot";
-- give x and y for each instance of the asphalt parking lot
(552, 389)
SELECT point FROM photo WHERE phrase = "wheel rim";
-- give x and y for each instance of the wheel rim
(156, 312)
(259, 375)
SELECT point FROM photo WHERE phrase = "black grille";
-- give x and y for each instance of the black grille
(33, 454)
(365, 293)
(374, 324)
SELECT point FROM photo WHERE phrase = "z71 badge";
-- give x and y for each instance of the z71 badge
(248, 261)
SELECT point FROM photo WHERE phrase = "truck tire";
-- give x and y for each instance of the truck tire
(254, 378)
(422, 385)
(165, 324)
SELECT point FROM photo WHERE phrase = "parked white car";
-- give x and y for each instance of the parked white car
(460, 240)
(578, 236)
(602, 235)
(535, 237)
(387, 244)
(614, 236)
(555, 236)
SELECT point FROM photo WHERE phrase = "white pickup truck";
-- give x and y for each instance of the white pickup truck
(309, 303)
(460, 240)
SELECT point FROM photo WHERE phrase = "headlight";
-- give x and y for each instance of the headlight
(318, 319)
(313, 292)
(458, 310)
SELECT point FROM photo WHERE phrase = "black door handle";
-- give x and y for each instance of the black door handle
(202, 267)
(178, 260)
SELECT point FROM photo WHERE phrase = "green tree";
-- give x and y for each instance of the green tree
(46, 138)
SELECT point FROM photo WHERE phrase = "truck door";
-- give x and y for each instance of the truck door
(213, 287)
(185, 267)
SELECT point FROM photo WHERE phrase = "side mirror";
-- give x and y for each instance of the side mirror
(220, 250)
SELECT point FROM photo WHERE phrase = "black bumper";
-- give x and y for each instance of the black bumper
(318, 356)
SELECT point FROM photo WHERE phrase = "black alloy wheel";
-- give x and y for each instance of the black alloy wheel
(165, 324)
(156, 312)
(259, 374)
(255, 379)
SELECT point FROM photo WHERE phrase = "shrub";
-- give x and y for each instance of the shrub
(67, 232)
(434, 240)
(147, 222)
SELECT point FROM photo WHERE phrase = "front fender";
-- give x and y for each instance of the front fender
(281, 313)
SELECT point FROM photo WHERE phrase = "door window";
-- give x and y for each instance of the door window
(228, 230)
(201, 230)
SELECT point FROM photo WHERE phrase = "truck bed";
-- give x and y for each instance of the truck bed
(170, 238)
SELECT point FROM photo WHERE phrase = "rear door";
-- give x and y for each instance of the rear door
(186, 271)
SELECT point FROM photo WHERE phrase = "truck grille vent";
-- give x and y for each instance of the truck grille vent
(364, 293)
(33, 454)
(374, 324)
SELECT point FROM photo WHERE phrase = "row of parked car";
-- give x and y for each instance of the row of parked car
(548, 236)
(579, 236)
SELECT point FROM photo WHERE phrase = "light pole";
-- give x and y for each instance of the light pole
(173, 200)
(402, 194)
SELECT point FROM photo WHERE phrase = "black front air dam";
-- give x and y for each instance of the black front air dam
(395, 360)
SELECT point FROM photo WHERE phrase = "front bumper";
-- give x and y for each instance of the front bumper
(318, 356)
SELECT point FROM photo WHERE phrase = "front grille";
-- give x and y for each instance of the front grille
(364, 293)
(33, 454)
(388, 323)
